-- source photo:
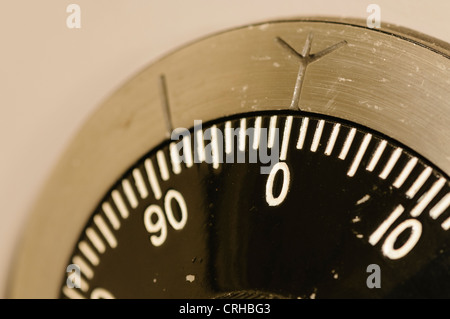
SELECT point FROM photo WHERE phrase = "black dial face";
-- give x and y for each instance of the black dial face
(275, 205)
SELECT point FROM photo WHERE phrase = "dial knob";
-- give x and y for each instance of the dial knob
(280, 160)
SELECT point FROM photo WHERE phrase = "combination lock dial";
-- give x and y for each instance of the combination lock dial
(279, 160)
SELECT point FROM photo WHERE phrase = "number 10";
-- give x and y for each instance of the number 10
(388, 245)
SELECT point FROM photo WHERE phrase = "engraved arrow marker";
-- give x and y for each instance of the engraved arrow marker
(305, 59)
(165, 104)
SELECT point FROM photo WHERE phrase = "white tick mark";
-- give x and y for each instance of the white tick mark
(302, 135)
(440, 207)
(417, 185)
(257, 133)
(317, 135)
(154, 184)
(272, 128)
(405, 173)
(376, 156)
(164, 171)
(357, 160)
(391, 163)
(429, 196)
(347, 144)
(286, 136)
(332, 140)
(117, 198)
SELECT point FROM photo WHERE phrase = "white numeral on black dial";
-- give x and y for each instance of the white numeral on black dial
(271, 199)
(155, 220)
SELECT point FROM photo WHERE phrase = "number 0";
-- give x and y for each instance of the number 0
(270, 198)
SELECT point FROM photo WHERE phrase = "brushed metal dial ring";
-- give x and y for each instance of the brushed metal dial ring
(391, 80)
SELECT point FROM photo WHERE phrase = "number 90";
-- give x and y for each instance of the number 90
(159, 224)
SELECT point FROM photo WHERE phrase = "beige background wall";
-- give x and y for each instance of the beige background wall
(52, 77)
